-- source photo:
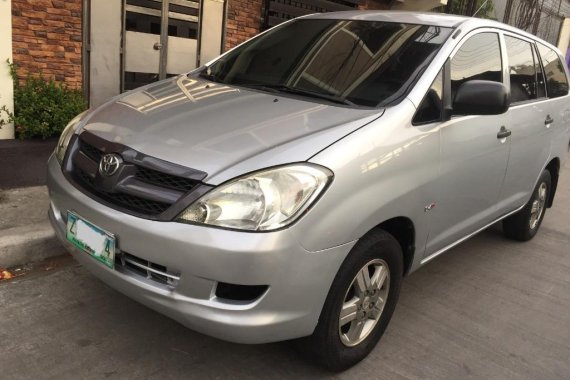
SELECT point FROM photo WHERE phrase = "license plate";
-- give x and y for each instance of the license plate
(94, 240)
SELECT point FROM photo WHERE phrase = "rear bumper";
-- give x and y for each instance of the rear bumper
(298, 280)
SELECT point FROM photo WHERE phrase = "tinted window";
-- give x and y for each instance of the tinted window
(478, 58)
(556, 80)
(432, 104)
(521, 70)
(366, 62)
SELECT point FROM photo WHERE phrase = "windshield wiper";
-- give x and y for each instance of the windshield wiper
(205, 75)
(298, 91)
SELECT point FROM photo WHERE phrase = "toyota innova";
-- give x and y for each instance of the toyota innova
(284, 189)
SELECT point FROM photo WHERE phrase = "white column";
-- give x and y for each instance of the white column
(564, 37)
(212, 26)
(105, 56)
(6, 83)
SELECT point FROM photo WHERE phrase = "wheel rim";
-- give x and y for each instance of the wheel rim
(364, 302)
(537, 207)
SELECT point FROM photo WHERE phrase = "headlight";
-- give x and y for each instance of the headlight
(68, 131)
(261, 201)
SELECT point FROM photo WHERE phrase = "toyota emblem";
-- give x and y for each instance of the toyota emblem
(109, 164)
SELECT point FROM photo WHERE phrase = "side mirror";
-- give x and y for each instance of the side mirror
(481, 97)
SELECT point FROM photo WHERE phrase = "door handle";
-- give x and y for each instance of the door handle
(157, 46)
(548, 120)
(503, 133)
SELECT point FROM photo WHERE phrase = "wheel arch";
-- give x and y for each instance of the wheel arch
(403, 230)
(554, 168)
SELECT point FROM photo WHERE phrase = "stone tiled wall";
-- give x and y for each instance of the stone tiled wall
(46, 37)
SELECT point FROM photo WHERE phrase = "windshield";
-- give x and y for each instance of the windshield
(364, 63)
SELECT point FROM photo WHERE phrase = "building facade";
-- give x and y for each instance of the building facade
(106, 47)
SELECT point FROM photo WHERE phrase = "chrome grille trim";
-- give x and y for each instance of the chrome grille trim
(144, 268)
(149, 270)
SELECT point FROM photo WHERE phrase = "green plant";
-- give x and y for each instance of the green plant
(42, 107)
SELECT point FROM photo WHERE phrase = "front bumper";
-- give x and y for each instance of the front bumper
(298, 280)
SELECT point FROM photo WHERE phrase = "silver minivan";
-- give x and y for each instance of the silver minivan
(284, 189)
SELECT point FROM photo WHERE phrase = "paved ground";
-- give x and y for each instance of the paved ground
(488, 309)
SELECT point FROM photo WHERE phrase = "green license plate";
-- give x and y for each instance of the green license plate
(86, 236)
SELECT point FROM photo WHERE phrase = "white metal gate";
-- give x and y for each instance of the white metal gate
(134, 42)
(160, 39)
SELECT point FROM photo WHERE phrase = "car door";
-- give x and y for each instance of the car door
(528, 120)
(473, 158)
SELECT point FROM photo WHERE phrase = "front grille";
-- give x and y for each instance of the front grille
(155, 272)
(155, 177)
(137, 204)
(139, 187)
(86, 178)
(130, 202)
(90, 151)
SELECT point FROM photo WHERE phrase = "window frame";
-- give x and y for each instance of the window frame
(505, 72)
(443, 91)
(447, 100)
(534, 57)
(540, 65)
(565, 71)
(446, 113)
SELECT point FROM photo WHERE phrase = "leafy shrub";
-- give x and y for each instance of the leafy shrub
(42, 107)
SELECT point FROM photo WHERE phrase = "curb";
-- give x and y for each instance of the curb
(26, 235)
(27, 244)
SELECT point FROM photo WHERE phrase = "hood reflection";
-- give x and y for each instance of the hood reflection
(164, 95)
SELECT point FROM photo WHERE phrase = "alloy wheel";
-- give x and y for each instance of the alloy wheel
(364, 302)
(537, 208)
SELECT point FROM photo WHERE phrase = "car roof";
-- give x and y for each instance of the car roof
(426, 18)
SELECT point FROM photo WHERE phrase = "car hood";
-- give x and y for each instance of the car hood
(214, 128)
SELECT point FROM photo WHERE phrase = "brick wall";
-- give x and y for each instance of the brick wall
(46, 37)
(243, 21)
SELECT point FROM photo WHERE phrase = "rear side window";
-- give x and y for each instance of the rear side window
(478, 58)
(556, 80)
(522, 70)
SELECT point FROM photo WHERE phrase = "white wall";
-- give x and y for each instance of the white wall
(212, 29)
(6, 84)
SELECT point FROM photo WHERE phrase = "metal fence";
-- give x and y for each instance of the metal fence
(278, 11)
(542, 18)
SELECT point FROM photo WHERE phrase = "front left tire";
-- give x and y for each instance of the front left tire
(524, 225)
(360, 303)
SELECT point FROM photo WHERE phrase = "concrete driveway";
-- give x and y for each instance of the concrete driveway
(489, 309)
